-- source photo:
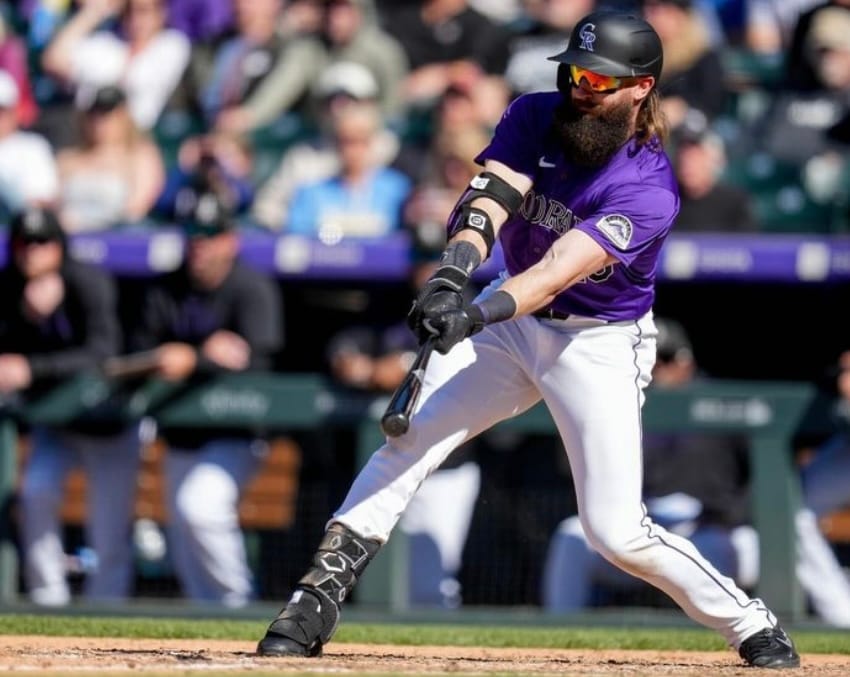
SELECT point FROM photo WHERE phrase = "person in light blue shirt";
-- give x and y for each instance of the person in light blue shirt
(364, 198)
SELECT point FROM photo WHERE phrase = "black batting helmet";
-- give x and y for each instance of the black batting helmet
(614, 43)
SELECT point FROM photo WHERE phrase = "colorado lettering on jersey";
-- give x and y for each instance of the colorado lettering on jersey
(542, 211)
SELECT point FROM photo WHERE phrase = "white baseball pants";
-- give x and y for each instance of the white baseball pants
(591, 375)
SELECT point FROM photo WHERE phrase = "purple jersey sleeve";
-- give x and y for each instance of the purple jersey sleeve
(630, 217)
(627, 206)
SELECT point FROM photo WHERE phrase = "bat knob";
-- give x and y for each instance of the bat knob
(395, 424)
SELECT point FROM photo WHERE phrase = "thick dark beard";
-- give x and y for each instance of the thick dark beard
(592, 140)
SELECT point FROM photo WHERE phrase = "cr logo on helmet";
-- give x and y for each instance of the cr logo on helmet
(588, 37)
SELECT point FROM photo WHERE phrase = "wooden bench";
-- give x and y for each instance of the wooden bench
(267, 503)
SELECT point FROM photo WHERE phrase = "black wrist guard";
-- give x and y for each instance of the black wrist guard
(497, 307)
(457, 264)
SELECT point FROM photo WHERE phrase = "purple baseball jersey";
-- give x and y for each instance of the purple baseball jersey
(627, 206)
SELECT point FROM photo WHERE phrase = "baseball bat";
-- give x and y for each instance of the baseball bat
(131, 365)
(396, 419)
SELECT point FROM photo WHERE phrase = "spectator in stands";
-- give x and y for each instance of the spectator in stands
(800, 59)
(114, 176)
(249, 80)
(769, 24)
(798, 127)
(469, 97)
(340, 87)
(446, 174)
(141, 54)
(696, 484)
(709, 203)
(540, 35)
(376, 358)
(351, 36)
(59, 317)
(201, 20)
(216, 161)
(464, 104)
(42, 19)
(28, 174)
(364, 199)
(14, 61)
(442, 37)
(213, 315)
(693, 75)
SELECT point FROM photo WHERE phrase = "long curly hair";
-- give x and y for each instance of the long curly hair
(651, 121)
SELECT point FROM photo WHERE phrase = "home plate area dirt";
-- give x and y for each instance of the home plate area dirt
(77, 655)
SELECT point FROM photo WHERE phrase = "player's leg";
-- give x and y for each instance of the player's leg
(573, 568)
(208, 548)
(111, 465)
(42, 490)
(595, 394)
(465, 392)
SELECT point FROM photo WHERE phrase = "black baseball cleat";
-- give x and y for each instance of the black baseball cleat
(278, 645)
(770, 648)
(302, 627)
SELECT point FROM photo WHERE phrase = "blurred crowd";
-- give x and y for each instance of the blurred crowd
(109, 107)
(330, 119)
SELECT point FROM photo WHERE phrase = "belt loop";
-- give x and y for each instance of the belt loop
(550, 314)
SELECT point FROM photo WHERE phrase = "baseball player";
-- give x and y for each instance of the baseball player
(578, 189)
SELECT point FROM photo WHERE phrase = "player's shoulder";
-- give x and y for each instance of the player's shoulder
(651, 164)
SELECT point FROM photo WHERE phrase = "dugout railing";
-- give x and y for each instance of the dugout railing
(771, 414)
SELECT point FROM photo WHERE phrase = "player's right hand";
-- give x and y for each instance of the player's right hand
(431, 303)
(452, 326)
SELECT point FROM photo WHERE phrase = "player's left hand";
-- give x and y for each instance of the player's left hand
(452, 326)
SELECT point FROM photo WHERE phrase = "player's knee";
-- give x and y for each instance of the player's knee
(624, 548)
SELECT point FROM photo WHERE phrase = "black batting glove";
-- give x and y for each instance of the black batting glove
(434, 299)
(452, 326)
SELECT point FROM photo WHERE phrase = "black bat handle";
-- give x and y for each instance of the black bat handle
(396, 418)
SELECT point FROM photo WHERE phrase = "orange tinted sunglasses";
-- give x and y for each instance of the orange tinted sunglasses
(596, 81)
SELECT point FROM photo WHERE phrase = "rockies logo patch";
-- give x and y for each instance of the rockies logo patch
(616, 228)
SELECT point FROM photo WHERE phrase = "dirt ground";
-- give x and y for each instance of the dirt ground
(78, 655)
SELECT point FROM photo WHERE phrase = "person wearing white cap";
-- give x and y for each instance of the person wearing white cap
(27, 166)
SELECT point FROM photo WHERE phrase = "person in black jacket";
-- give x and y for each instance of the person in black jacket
(212, 315)
(59, 317)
